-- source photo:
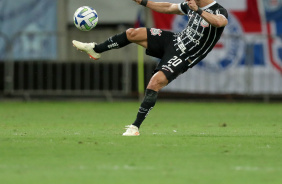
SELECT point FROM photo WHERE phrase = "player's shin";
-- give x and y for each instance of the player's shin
(147, 105)
(114, 42)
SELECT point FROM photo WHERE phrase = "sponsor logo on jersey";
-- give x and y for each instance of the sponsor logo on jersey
(156, 32)
(190, 29)
(181, 45)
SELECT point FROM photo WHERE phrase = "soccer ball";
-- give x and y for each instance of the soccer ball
(85, 18)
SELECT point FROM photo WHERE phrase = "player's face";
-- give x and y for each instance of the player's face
(196, 1)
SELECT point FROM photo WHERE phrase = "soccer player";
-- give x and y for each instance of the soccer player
(178, 51)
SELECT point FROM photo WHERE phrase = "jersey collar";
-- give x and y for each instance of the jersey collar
(209, 5)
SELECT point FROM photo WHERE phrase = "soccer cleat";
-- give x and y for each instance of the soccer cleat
(88, 48)
(131, 130)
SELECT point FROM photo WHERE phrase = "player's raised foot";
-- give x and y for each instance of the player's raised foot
(131, 130)
(88, 48)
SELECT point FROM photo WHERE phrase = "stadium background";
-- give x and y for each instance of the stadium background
(37, 57)
(68, 127)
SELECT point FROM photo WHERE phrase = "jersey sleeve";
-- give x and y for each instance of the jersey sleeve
(183, 7)
(222, 12)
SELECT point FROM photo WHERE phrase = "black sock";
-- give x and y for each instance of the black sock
(114, 42)
(147, 105)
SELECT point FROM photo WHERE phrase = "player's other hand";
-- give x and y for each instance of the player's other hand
(192, 5)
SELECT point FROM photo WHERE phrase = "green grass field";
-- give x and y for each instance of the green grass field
(197, 143)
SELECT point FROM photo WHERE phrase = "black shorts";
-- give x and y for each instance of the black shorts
(160, 45)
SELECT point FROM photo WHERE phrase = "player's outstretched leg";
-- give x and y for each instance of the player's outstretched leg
(138, 36)
(157, 82)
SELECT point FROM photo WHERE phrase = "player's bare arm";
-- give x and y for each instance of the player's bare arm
(162, 7)
(214, 20)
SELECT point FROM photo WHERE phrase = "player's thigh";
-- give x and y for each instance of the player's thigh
(158, 42)
(172, 66)
(138, 36)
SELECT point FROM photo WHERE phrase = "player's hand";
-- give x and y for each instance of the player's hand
(192, 5)
(137, 1)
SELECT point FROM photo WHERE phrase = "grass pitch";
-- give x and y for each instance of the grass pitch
(199, 143)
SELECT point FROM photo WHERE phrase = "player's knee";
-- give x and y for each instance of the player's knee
(158, 81)
(157, 84)
(130, 33)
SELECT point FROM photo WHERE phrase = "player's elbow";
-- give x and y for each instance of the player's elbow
(168, 11)
(219, 23)
(172, 9)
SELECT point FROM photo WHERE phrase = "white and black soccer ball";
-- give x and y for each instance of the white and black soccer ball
(85, 18)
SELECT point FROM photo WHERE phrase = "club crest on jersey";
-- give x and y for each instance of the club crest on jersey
(204, 23)
(156, 32)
